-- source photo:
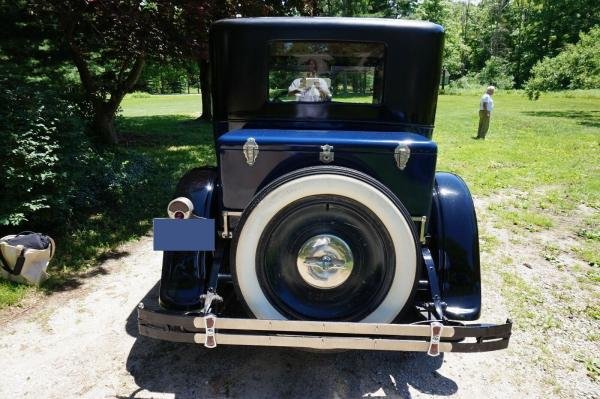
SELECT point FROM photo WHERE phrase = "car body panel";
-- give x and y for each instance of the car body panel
(455, 247)
(239, 59)
(282, 151)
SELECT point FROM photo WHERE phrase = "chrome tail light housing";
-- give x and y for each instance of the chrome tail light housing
(180, 208)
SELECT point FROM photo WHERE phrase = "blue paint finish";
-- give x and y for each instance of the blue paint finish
(184, 273)
(345, 140)
(184, 234)
(455, 247)
(284, 150)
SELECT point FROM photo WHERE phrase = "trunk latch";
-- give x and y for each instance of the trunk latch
(250, 150)
(402, 155)
(326, 154)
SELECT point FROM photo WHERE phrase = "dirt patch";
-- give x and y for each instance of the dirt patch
(84, 343)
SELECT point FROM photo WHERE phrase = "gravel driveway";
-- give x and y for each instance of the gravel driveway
(83, 343)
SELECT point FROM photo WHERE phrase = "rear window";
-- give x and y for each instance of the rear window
(343, 72)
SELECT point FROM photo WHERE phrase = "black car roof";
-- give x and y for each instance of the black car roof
(239, 58)
(331, 22)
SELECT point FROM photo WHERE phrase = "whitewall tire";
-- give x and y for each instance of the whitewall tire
(386, 212)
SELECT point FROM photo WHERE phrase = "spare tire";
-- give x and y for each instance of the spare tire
(325, 243)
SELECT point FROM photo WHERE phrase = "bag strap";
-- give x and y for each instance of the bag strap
(18, 265)
(25, 233)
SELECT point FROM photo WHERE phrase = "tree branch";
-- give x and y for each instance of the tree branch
(87, 79)
(124, 86)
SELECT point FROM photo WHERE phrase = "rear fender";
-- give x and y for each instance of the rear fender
(183, 276)
(455, 247)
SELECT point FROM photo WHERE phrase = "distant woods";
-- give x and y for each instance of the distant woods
(98, 51)
(508, 43)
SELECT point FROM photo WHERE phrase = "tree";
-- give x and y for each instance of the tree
(576, 67)
(436, 11)
(196, 17)
(109, 43)
(525, 31)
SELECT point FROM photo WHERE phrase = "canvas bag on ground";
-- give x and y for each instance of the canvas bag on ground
(24, 257)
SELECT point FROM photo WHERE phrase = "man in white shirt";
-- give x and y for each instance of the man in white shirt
(486, 105)
(312, 90)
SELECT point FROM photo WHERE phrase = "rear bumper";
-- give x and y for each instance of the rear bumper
(211, 331)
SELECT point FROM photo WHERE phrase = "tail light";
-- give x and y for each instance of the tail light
(180, 208)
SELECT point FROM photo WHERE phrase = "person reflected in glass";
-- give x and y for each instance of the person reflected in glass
(310, 88)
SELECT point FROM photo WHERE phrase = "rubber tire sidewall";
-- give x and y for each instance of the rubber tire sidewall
(329, 181)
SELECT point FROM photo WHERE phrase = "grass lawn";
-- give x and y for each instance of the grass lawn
(547, 149)
(551, 143)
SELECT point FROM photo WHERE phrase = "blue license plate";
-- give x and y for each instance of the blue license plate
(184, 234)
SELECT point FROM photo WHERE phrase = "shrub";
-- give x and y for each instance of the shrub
(469, 81)
(52, 174)
(497, 72)
(576, 67)
(140, 94)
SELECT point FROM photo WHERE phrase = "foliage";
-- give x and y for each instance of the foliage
(466, 82)
(576, 67)
(436, 11)
(364, 8)
(525, 31)
(47, 161)
(108, 43)
(496, 72)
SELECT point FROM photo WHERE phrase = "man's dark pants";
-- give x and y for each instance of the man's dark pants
(484, 124)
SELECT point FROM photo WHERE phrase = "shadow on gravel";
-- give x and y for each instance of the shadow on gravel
(191, 371)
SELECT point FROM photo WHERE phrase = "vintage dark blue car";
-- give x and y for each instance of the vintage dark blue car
(325, 224)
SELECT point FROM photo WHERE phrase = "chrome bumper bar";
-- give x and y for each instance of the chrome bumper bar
(433, 338)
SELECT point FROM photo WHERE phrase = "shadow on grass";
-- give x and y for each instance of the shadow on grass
(166, 147)
(164, 130)
(192, 371)
(585, 118)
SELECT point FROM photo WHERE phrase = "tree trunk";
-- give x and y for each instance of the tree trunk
(205, 89)
(103, 125)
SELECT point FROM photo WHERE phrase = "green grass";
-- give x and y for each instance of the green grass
(550, 143)
(547, 149)
(166, 105)
(523, 301)
(11, 293)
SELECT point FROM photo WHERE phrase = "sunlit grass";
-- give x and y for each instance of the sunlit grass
(547, 150)
(11, 293)
(552, 143)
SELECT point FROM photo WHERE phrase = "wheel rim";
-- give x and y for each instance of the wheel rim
(325, 261)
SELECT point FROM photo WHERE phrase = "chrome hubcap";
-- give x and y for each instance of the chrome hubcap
(325, 261)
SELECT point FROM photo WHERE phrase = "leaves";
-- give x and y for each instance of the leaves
(577, 67)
